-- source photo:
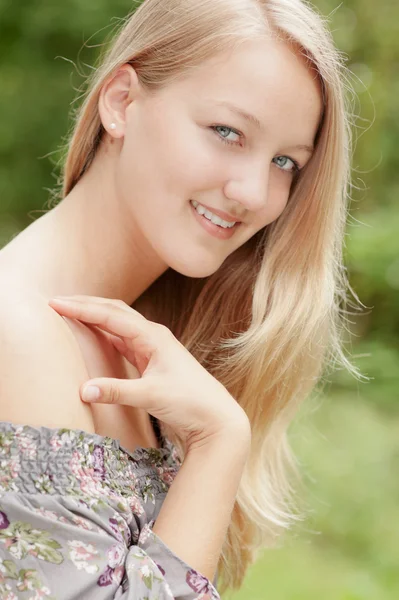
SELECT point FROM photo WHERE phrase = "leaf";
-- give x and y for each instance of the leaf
(50, 555)
(11, 569)
(148, 581)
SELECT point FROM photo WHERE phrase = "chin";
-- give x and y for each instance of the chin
(195, 269)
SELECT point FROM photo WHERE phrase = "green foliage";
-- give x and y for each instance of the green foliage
(347, 549)
(45, 49)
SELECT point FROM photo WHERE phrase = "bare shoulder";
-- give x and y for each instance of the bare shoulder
(41, 366)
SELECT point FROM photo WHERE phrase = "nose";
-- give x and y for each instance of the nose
(250, 189)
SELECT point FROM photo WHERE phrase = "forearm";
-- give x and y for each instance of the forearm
(196, 512)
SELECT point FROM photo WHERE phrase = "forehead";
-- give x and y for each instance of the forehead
(268, 78)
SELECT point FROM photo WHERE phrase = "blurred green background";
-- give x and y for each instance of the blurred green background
(347, 440)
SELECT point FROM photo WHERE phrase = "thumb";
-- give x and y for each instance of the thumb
(107, 390)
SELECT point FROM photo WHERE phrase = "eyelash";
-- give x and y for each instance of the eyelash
(295, 169)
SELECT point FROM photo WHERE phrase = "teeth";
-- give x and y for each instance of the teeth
(209, 215)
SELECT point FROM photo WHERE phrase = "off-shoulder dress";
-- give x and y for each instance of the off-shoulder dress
(76, 517)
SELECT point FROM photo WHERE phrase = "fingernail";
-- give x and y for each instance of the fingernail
(91, 393)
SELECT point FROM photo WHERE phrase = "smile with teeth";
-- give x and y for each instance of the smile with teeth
(210, 216)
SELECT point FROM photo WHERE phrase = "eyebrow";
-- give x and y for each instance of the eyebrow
(250, 118)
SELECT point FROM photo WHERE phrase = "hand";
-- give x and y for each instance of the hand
(173, 386)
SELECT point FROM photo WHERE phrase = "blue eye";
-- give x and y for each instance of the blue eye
(293, 169)
(222, 138)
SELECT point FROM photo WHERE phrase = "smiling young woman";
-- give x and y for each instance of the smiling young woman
(206, 186)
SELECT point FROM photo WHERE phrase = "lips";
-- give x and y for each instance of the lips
(219, 213)
(215, 230)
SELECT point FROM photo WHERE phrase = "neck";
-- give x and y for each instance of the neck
(88, 244)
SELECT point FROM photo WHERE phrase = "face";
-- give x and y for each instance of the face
(190, 143)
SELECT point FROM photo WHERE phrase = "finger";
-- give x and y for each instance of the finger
(107, 316)
(118, 342)
(96, 300)
(124, 349)
(87, 298)
(129, 392)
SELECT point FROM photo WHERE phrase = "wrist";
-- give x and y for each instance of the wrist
(235, 438)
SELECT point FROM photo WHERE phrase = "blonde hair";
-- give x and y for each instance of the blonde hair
(270, 321)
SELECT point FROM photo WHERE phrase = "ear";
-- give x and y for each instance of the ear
(118, 91)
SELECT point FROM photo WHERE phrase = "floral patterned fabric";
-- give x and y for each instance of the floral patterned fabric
(76, 517)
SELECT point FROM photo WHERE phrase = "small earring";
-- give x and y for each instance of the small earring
(113, 126)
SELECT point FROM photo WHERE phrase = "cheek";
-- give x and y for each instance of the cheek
(190, 161)
(145, 165)
(168, 154)
(277, 198)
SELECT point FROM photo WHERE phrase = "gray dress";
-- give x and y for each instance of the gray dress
(76, 517)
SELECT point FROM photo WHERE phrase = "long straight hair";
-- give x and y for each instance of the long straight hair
(269, 323)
